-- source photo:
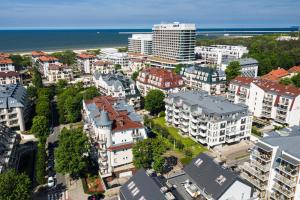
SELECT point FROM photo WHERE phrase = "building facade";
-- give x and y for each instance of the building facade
(116, 58)
(140, 43)
(211, 120)
(113, 127)
(161, 79)
(44, 62)
(102, 67)
(204, 78)
(85, 61)
(59, 72)
(249, 66)
(10, 77)
(267, 99)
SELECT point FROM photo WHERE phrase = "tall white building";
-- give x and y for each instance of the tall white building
(140, 43)
(211, 120)
(249, 66)
(274, 167)
(113, 127)
(85, 61)
(173, 44)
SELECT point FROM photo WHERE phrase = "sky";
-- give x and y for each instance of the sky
(145, 13)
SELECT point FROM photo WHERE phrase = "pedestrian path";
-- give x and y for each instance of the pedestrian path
(58, 195)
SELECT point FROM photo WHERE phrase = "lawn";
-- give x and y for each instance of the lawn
(188, 143)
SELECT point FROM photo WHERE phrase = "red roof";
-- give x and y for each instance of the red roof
(38, 53)
(275, 75)
(241, 80)
(295, 69)
(120, 119)
(86, 56)
(121, 146)
(102, 63)
(6, 61)
(163, 76)
(4, 55)
(9, 74)
(58, 66)
(47, 58)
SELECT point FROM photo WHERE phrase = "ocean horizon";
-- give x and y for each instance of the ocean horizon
(13, 41)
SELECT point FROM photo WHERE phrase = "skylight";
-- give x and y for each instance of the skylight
(220, 180)
(198, 162)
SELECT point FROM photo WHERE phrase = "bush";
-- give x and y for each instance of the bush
(188, 153)
(40, 164)
(162, 114)
(255, 131)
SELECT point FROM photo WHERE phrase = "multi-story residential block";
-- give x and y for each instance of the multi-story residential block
(103, 67)
(85, 61)
(58, 72)
(286, 38)
(211, 120)
(134, 65)
(10, 77)
(118, 85)
(204, 78)
(274, 166)
(249, 66)
(113, 128)
(173, 44)
(14, 107)
(216, 54)
(140, 43)
(6, 64)
(44, 62)
(116, 58)
(35, 55)
(161, 79)
(294, 71)
(8, 143)
(276, 75)
(267, 99)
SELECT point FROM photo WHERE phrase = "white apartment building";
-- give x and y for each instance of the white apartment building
(119, 86)
(35, 55)
(103, 67)
(116, 58)
(113, 127)
(85, 61)
(44, 62)
(10, 77)
(140, 43)
(211, 120)
(134, 65)
(173, 44)
(267, 99)
(14, 107)
(274, 167)
(6, 64)
(249, 66)
(204, 78)
(216, 54)
(59, 72)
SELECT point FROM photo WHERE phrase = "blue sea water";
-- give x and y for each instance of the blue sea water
(48, 40)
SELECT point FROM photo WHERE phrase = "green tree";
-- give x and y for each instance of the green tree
(154, 101)
(37, 78)
(158, 163)
(70, 154)
(296, 80)
(134, 75)
(90, 93)
(61, 84)
(40, 128)
(117, 67)
(20, 61)
(233, 70)
(42, 108)
(14, 186)
(40, 164)
(32, 92)
(67, 57)
(178, 68)
(285, 81)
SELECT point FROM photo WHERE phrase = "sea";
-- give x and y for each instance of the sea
(12, 41)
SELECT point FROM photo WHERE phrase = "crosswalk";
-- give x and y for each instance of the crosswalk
(58, 195)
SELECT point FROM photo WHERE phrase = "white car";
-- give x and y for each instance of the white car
(50, 182)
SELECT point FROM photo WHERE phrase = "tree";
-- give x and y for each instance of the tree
(40, 164)
(117, 67)
(37, 78)
(154, 101)
(134, 75)
(61, 84)
(158, 163)
(90, 93)
(42, 107)
(20, 61)
(285, 81)
(67, 57)
(70, 154)
(14, 186)
(296, 80)
(178, 68)
(233, 70)
(32, 92)
(40, 128)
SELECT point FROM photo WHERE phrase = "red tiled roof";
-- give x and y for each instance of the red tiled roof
(121, 146)
(295, 69)
(47, 58)
(275, 75)
(163, 74)
(102, 63)
(4, 55)
(86, 56)
(9, 74)
(241, 80)
(6, 61)
(120, 119)
(38, 53)
(58, 66)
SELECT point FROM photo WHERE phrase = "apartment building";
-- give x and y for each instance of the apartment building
(173, 44)
(211, 120)
(14, 108)
(216, 54)
(8, 142)
(157, 78)
(35, 55)
(116, 58)
(44, 62)
(85, 61)
(140, 43)
(249, 66)
(274, 166)
(276, 75)
(6, 64)
(103, 67)
(134, 65)
(10, 77)
(59, 72)
(294, 71)
(113, 127)
(119, 86)
(267, 99)
(204, 78)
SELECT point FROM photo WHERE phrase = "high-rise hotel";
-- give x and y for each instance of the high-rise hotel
(173, 44)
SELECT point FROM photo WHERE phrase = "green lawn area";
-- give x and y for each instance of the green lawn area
(188, 143)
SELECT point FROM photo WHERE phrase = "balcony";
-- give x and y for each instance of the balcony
(264, 167)
(287, 170)
(247, 167)
(261, 156)
(254, 181)
(283, 190)
(280, 119)
(283, 108)
(287, 181)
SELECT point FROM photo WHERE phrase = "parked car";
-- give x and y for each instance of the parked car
(51, 182)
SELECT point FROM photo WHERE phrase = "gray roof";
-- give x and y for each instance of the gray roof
(12, 95)
(209, 104)
(145, 186)
(242, 61)
(116, 80)
(206, 174)
(104, 120)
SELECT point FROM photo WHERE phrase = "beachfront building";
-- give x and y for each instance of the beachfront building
(173, 44)
(274, 167)
(59, 72)
(44, 62)
(35, 55)
(113, 128)
(204, 78)
(216, 54)
(286, 38)
(118, 85)
(249, 66)
(116, 58)
(134, 65)
(267, 99)
(103, 67)
(10, 77)
(6, 64)
(14, 107)
(140, 43)
(85, 61)
(211, 120)
(157, 78)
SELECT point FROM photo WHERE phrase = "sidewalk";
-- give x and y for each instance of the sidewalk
(75, 189)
